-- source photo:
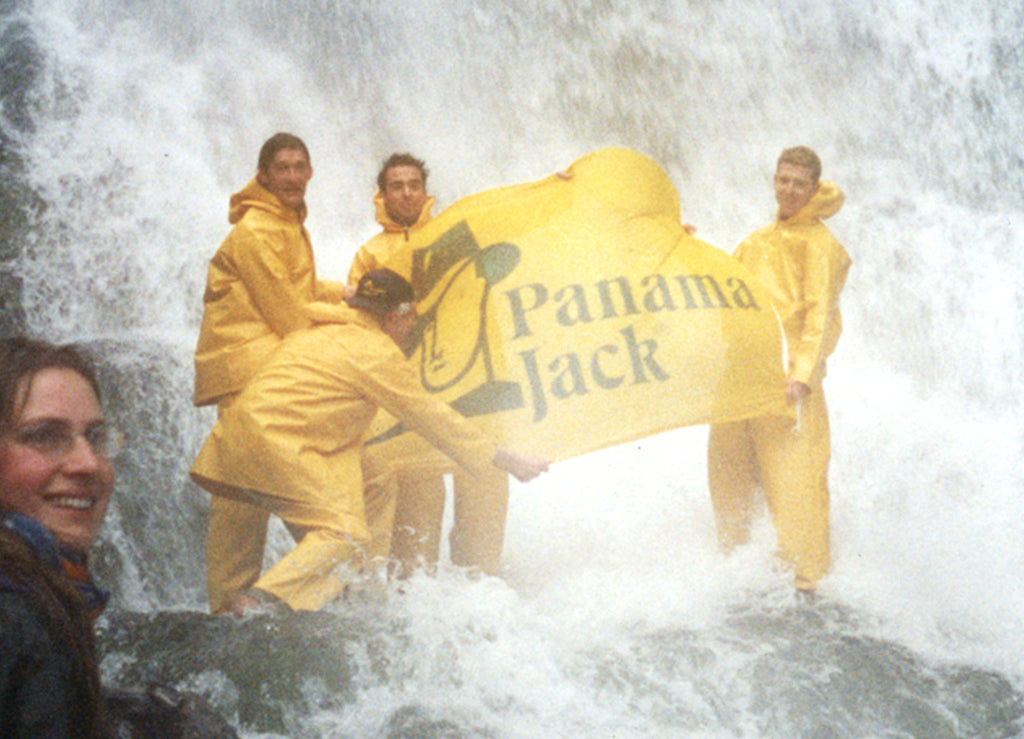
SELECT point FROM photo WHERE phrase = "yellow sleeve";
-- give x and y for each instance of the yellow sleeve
(330, 291)
(825, 268)
(321, 312)
(270, 285)
(273, 289)
(389, 380)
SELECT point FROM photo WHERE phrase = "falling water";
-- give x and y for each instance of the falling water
(126, 125)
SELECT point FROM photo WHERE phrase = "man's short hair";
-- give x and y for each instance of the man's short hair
(276, 143)
(400, 160)
(802, 156)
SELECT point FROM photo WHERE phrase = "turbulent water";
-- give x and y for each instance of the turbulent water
(125, 127)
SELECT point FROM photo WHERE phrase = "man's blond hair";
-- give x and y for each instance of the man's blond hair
(802, 156)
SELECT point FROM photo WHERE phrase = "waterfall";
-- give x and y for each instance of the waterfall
(126, 125)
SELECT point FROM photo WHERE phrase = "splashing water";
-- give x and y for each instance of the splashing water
(126, 126)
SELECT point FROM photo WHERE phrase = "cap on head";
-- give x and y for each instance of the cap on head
(381, 291)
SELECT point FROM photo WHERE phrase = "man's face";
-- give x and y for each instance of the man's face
(399, 324)
(287, 177)
(404, 194)
(794, 188)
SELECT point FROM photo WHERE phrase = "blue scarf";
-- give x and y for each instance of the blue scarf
(72, 564)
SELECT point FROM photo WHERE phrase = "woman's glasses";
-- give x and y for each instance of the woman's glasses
(56, 438)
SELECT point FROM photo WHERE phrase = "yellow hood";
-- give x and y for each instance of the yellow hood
(254, 195)
(391, 226)
(823, 204)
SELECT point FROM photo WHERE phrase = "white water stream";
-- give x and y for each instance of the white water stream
(147, 116)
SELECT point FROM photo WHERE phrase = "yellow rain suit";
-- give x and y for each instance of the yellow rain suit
(803, 269)
(481, 502)
(292, 445)
(261, 285)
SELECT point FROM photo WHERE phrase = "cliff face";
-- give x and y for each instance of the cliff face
(20, 65)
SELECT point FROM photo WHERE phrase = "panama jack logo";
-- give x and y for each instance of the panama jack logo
(454, 279)
(612, 330)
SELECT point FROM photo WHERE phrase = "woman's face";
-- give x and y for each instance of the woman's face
(65, 490)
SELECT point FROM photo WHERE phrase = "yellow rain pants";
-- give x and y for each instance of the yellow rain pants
(478, 532)
(787, 459)
(237, 537)
(316, 571)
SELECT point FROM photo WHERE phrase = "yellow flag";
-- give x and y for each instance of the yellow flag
(572, 314)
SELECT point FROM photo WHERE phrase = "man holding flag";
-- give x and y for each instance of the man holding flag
(403, 207)
(803, 268)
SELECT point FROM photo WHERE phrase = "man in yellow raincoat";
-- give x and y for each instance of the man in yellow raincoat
(292, 441)
(261, 285)
(803, 269)
(480, 503)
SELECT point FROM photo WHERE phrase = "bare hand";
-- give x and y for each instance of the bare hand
(795, 390)
(522, 467)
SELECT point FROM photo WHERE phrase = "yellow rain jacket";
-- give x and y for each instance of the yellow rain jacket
(261, 285)
(804, 269)
(295, 434)
(375, 252)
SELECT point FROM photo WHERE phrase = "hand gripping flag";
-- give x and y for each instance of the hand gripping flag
(572, 314)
